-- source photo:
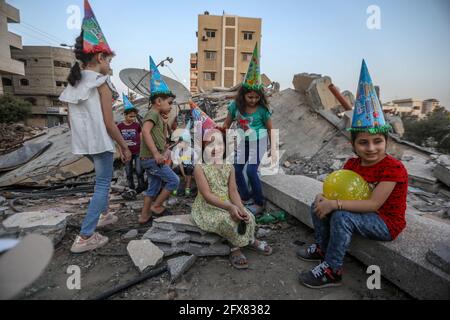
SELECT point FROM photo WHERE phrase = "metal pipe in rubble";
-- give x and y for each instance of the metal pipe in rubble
(340, 98)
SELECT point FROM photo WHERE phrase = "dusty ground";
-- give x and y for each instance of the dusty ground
(273, 277)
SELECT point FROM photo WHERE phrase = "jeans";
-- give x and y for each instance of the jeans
(158, 174)
(334, 233)
(254, 152)
(103, 163)
(139, 172)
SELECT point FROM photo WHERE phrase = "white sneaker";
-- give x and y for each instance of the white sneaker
(106, 220)
(94, 242)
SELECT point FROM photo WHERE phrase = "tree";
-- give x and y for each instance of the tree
(13, 109)
(435, 127)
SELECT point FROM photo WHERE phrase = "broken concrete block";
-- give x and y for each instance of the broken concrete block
(208, 238)
(50, 223)
(444, 160)
(440, 257)
(164, 236)
(144, 254)
(262, 233)
(180, 223)
(131, 234)
(442, 173)
(178, 266)
(319, 94)
(302, 81)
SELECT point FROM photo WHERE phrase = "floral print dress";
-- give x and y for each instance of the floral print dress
(216, 220)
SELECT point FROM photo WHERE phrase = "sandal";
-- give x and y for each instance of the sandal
(144, 222)
(236, 261)
(262, 247)
(166, 212)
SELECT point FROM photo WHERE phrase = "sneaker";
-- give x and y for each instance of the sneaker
(106, 219)
(187, 192)
(312, 253)
(94, 242)
(321, 276)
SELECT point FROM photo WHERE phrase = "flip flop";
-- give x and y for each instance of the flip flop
(235, 259)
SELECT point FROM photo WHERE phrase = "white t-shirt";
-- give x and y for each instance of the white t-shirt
(89, 135)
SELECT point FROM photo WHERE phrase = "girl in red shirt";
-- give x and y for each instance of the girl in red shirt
(380, 218)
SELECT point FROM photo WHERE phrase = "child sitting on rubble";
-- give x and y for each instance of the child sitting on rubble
(153, 150)
(218, 207)
(380, 218)
(250, 110)
(89, 96)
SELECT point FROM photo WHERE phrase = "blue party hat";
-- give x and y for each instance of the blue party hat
(127, 105)
(157, 84)
(368, 114)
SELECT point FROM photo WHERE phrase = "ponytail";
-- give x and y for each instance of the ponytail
(75, 74)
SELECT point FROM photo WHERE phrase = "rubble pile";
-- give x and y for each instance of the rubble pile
(14, 135)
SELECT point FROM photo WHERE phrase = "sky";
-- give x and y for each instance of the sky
(406, 46)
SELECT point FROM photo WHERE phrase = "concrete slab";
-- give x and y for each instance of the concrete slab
(50, 223)
(442, 173)
(178, 266)
(181, 223)
(403, 261)
(196, 249)
(440, 256)
(163, 236)
(144, 254)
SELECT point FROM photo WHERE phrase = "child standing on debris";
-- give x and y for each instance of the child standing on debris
(89, 96)
(250, 110)
(218, 207)
(380, 218)
(154, 133)
(131, 132)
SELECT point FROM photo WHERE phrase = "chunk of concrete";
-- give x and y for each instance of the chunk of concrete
(440, 256)
(302, 81)
(144, 254)
(180, 223)
(131, 234)
(49, 223)
(180, 265)
(401, 261)
(163, 236)
(442, 173)
(208, 238)
(319, 94)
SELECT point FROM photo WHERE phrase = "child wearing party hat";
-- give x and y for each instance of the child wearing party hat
(250, 110)
(153, 150)
(131, 132)
(382, 217)
(92, 126)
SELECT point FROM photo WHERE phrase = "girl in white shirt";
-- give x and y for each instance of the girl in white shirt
(89, 96)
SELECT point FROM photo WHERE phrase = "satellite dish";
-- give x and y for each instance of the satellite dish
(138, 80)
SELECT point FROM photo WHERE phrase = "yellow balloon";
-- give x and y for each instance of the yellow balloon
(346, 185)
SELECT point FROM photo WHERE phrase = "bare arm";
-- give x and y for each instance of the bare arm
(269, 127)
(111, 128)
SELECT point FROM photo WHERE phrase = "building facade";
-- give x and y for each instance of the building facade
(225, 47)
(8, 40)
(411, 107)
(46, 72)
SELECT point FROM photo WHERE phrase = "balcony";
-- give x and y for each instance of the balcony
(15, 41)
(12, 14)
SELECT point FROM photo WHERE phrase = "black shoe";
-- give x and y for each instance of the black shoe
(321, 276)
(312, 253)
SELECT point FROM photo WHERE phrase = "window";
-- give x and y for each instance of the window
(24, 82)
(7, 82)
(61, 83)
(193, 66)
(246, 56)
(211, 33)
(210, 55)
(209, 76)
(62, 64)
(248, 35)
